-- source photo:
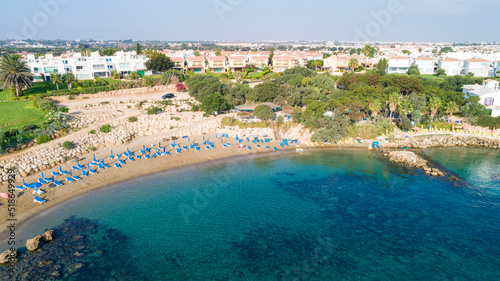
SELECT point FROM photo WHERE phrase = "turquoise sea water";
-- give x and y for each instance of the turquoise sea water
(329, 215)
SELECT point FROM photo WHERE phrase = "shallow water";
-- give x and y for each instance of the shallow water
(337, 215)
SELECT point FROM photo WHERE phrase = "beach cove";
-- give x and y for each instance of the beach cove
(347, 205)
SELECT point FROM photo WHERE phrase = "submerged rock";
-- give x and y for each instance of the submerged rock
(48, 235)
(8, 256)
(34, 243)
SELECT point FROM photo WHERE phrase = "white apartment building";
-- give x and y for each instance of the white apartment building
(452, 66)
(398, 65)
(237, 63)
(86, 67)
(282, 63)
(426, 65)
(480, 67)
(489, 94)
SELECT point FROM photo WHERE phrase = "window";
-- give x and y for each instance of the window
(79, 67)
(488, 101)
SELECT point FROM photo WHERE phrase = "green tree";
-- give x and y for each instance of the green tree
(440, 72)
(392, 102)
(213, 103)
(138, 49)
(335, 129)
(318, 63)
(450, 107)
(202, 85)
(413, 70)
(353, 63)
(434, 104)
(218, 53)
(271, 56)
(263, 112)
(68, 78)
(238, 94)
(159, 62)
(382, 66)
(14, 72)
(55, 78)
(196, 54)
(406, 52)
(446, 50)
(405, 108)
(267, 91)
(374, 106)
(134, 75)
(82, 50)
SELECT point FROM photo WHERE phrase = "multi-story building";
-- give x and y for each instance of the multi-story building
(398, 65)
(86, 67)
(196, 64)
(259, 61)
(479, 67)
(217, 64)
(489, 94)
(178, 63)
(426, 65)
(282, 63)
(451, 66)
(237, 63)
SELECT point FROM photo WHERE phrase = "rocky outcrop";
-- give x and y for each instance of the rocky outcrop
(9, 256)
(48, 235)
(444, 140)
(410, 159)
(34, 243)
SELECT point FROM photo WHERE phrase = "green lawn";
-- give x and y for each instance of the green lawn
(4, 95)
(15, 114)
(39, 88)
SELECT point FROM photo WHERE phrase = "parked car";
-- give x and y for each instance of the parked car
(168, 96)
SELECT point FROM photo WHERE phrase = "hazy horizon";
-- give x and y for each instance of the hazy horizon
(239, 20)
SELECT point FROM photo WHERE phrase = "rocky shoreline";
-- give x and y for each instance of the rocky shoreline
(443, 141)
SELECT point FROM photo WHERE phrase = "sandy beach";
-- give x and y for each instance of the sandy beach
(26, 207)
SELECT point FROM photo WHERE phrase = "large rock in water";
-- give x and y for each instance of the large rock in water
(48, 235)
(4, 257)
(34, 244)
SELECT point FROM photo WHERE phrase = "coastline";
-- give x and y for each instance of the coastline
(26, 208)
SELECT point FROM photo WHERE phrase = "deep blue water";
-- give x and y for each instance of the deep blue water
(336, 215)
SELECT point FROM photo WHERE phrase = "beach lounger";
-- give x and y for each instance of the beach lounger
(117, 165)
(20, 187)
(275, 148)
(154, 155)
(92, 172)
(100, 166)
(78, 165)
(131, 158)
(31, 185)
(207, 147)
(184, 148)
(177, 150)
(77, 178)
(197, 148)
(126, 153)
(70, 179)
(56, 182)
(258, 145)
(104, 164)
(84, 173)
(121, 162)
(111, 156)
(76, 168)
(167, 153)
(267, 147)
(63, 172)
(42, 181)
(44, 178)
(39, 200)
(55, 174)
(38, 191)
(249, 147)
(228, 144)
(147, 156)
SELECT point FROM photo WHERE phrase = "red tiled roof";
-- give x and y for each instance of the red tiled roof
(451, 59)
(259, 58)
(477, 60)
(218, 58)
(237, 58)
(176, 59)
(195, 58)
(399, 58)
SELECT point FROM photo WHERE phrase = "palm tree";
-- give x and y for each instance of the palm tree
(392, 102)
(14, 72)
(405, 107)
(374, 106)
(353, 63)
(450, 108)
(434, 104)
(68, 78)
(55, 78)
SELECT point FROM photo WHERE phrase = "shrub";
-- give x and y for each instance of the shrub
(46, 105)
(134, 75)
(42, 139)
(153, 110)
(63, 109)
(104, 102)
(68, 145)
(92, 132)
(105, 128)
(132, 119)
(92, 148)
(405, 124)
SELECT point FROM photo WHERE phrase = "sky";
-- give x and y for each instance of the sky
(255, 20)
